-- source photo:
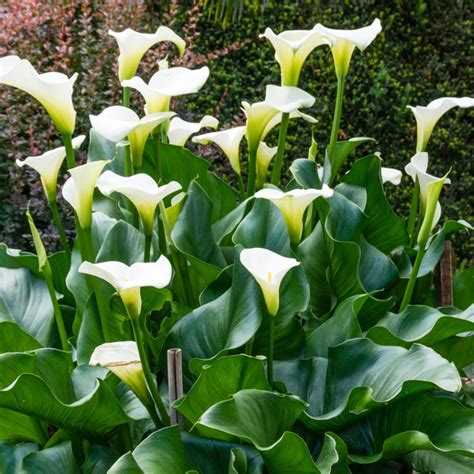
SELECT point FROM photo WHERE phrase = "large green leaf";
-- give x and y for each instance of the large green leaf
(377, 375)
(420, 422)
(59, 458)
(38, 384)
(305, 173)
(11, 456)
(25, 300)
(421, 324)
(14, 339)
(256, 416)
(463, 283)
(432, 461)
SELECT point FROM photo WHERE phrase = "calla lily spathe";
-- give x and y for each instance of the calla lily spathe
(228, 141)
(391, 175)
(127, 281)
(293, 204)
(167, 83)
(141, 189)
(117, 122)
(265, 155)
(263, 116)
(416, 169)
(122, 358)
(291, 50)
(53, 90)
(343, 43)
(78, 190)
(180, 130)
(268, 268)
(427, 117)
(48, 165)
(133, 45)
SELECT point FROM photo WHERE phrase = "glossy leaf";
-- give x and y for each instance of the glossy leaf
(59, 458)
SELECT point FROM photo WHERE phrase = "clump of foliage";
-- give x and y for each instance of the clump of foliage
(300, 300)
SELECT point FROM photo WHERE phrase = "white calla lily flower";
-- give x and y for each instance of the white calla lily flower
(122, 358)
(133, 45)
(292, 47)
(427, 117)
(262, 117)
(53, 90)
(180, 130)
(167, 83)
(268, 268)
(265, 155)
(127, 281)
(48, 165)
(141, 189)
(417, 170)
(78, 190)
(228, 141)
(343, 43)
(117, 122)
(391, 175)
(293, 204)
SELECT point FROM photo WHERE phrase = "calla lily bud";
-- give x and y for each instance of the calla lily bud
(293, 204)
(180, 130)
(265, 155)
(127, 281)
(268, 268)
(48, 165)
(262, 117)
(141, 189)
(173, 211)
(416, 169)
(167, 83)
(78, 190)
(53, 90)
(292, 47)
(228, 141)
(117, 122)
(343, 43)
(133, 45)
(122, 358)
(427, 117)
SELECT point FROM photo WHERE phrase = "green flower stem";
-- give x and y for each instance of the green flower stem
(337, 117)
(148, 237)
(157, 154)
(70, 157)
(59, 226)
(413, 276)
(249, 346)
(285, 119)
(127, 162)
(48, 276)
(415, 200)
(252, 172)
(241, 187)
(126, 97)
(103, 307)
(271, 327)
(149, 378)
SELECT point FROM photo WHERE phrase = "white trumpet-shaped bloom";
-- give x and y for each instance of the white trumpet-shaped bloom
(127, 281)
(391, 175)
(417, 170)
(228, 141)
(141, 189)
(268, 268)
(117, 122)
(427, 117)
(180, 130)
(265, 155)
(343, 43)
(122, 358)
(291, 50)
(78, 190)
(167, 83)
(133, 45)
(53, 90)
(293, 204)
(263, 116)
(48, 165)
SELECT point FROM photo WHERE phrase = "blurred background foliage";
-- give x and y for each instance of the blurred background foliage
(426, 51)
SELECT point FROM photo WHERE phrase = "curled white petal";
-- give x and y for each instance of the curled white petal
(391, 175)
(180, 130)
(265, 155)
(287, 99)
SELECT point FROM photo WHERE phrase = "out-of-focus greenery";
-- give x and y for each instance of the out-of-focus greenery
(424, 52)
